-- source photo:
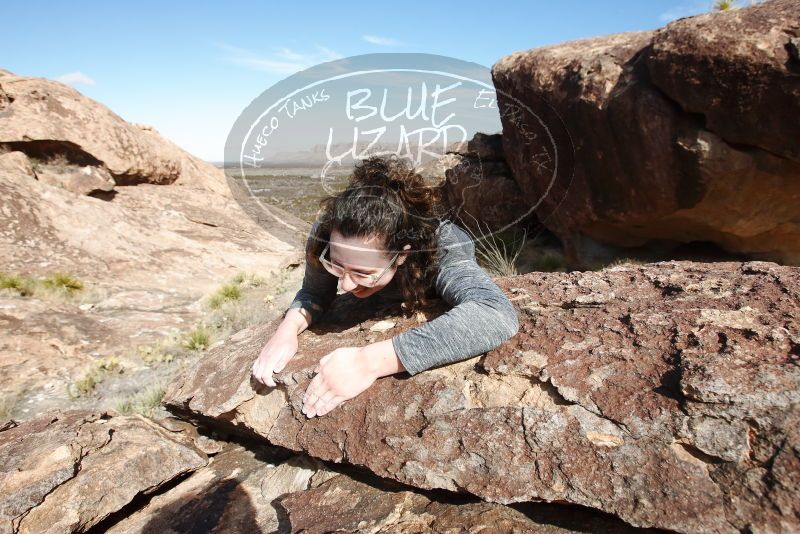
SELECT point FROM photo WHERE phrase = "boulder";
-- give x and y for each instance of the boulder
(666, 394)
(68, 471)
(47, 119)
(147, 260)
(235, 492)
(147, 255)
(657, 138)
(344, 504)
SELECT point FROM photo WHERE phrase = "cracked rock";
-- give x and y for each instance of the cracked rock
(662, 409)
(67, 471)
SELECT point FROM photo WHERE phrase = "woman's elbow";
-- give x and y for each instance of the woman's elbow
(507, 322)
(513, 325)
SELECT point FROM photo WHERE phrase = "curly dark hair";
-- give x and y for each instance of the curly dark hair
(386, 197)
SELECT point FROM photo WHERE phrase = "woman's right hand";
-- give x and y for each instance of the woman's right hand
(281, 347)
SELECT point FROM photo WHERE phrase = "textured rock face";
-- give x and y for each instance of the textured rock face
(235, 492)
(68, 471)
(666, 394)
(687, 133)
(45, 118)
(147, 258)
(147, 253)
(342, 504)
(16, 164)
(82, 180)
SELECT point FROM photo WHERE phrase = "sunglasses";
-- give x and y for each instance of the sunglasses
(363, 279)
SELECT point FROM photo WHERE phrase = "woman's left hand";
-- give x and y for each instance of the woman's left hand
(342, 375)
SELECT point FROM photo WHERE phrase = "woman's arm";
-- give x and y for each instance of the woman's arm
(319, 288)
(380, 359)
(317, 292)
(481, 319)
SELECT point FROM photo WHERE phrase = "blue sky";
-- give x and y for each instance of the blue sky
(190, 68)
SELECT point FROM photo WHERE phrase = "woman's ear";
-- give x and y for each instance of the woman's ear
(402, 257)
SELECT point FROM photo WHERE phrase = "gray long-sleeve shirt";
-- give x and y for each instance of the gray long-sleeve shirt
(481, 318)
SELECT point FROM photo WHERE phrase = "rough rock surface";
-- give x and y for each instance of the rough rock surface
(656, 138)
(235, 492)
(82, 180)
(45, 118)
(16, 164)
(147, 254)
(147, 258)
(667, 394)
(343, 504)
(67, 471)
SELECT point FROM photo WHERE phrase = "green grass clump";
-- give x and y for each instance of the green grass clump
(57, 286)
(85, 385)
(19, 284)
(233, 291)
(63, 282)
(143, 403)
(248, 280)
(198, 339)
(496, 252)
(226, 293)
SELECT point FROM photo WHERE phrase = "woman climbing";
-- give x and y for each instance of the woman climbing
(385, 232)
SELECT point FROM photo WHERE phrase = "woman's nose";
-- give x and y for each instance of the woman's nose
(347, 283)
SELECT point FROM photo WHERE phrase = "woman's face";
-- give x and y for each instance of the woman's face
(364, 255)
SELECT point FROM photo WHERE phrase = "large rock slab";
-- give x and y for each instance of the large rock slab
(236, 492)
(69, 471)
(45, 118)
(344, 504)
(657, 138)
(666, 394)
(147, 254)
(147, 260)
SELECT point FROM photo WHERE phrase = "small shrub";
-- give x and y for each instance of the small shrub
(198, 339)
(85, 385)
(248, 280)
(224, 294)
(62, 281)
(143, 403)
(109, 364)
(156, 353)
(724, 5)
(22, 286)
